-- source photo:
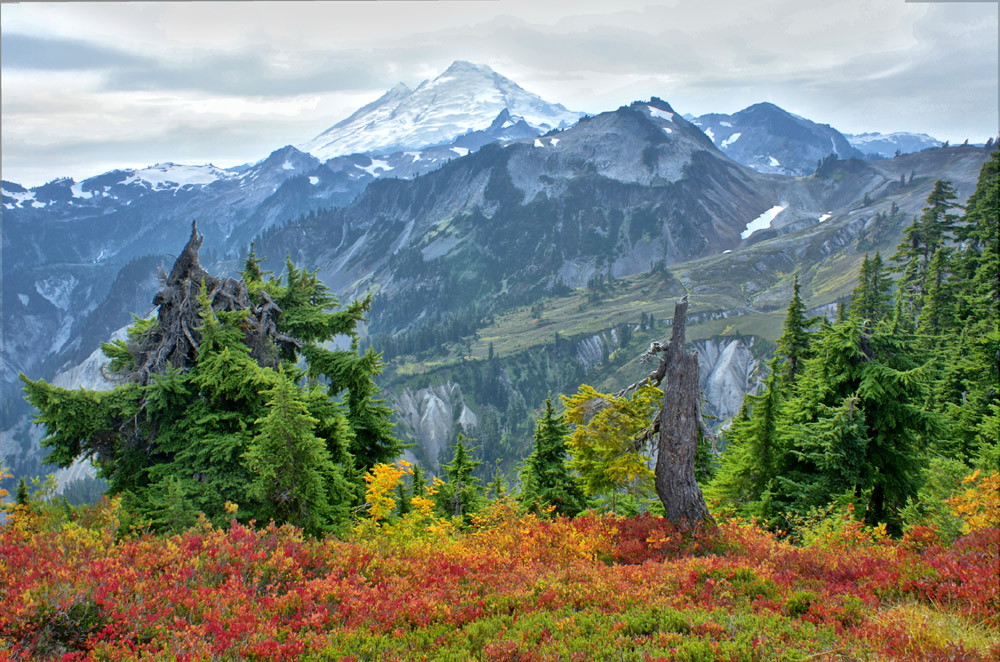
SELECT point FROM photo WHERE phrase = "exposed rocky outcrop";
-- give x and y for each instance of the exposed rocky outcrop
(429, 416)
(727, 371)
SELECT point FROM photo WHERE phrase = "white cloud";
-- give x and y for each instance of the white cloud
(245, 78)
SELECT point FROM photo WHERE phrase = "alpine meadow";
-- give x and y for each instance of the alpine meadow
(470, 375)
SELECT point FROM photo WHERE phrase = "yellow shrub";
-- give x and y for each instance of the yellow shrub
(979, 505)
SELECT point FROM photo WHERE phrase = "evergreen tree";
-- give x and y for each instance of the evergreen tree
(546, 479)
(461, 495)
(856, 421)
(211, 410)
(927, 234)
(418, 483)
(793, 345)
(937, 310)
(752, 457)
(871, 299)
(21, 496)
(293, 474)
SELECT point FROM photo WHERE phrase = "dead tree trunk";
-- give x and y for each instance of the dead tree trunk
(680, 423)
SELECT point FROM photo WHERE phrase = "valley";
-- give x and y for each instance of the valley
(552, 251)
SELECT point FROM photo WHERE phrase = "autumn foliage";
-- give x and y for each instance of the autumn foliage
(507, 587)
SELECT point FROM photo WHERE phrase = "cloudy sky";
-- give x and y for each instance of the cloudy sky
(90, 87)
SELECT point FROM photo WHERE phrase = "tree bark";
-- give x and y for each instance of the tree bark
(679, 427)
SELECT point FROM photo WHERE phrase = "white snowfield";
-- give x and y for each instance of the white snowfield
(763, 221)
(172, 175)
(661, 114)
(466, 97)
(731, 139)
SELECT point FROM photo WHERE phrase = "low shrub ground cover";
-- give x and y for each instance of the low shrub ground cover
(509, 587)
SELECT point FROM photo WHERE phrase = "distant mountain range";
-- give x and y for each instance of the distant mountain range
(461, 201)
(886, 145)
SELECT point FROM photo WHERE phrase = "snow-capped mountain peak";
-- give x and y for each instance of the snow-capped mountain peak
(465, 97)
(887, 144)
(173, 175)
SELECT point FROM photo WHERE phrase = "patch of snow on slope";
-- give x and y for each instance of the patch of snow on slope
(711, 136)
(78, 191)
(661, 114)
(763, 221)
(314, 180)
(414, 155)
(287, 165)
(726, 124)
(825, 217)
(538, 143)
(20, 196)
(461, 151)
(774, 162)
(731, 139)
(24, 299)
(667, 129)
(553, 141)
(377, 164)
(170, 175)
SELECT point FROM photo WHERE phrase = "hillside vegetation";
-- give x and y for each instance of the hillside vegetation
(855, 510)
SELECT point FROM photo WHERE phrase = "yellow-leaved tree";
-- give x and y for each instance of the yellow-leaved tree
(609, 436)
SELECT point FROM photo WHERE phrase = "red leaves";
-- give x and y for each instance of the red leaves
(520, 587)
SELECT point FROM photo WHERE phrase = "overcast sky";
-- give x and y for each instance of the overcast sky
(91, 87)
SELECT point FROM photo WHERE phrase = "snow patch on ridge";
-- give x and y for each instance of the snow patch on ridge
(172, 175)
(377, 164)
(661, 114)
(731, 139)
(763, 221)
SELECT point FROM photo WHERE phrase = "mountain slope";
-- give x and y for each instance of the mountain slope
(616, 192)
(885, 145)
(466, 97)
(769, 139)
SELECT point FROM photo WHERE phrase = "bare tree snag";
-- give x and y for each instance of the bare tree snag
(678, 424)
(174, 340)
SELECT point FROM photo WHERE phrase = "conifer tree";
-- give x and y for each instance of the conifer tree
(461, 495)
(293, 474)
(871, 300)
(752, 457)
(793, 345)
(546, 480)
(937, 309)
(857, 415)
(205, 416)
(21, 496)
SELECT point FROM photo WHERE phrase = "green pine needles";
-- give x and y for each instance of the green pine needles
(248, 405)
(860, 411)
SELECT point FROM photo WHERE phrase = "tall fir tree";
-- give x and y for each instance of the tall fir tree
(794, 343)
(752, 457)
(205, 416)
(293, 474)
(461, 494)
(871, 301)
(546, 481)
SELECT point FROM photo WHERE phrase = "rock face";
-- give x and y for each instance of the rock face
(727, 371)
(430, 415)
(769, 139)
